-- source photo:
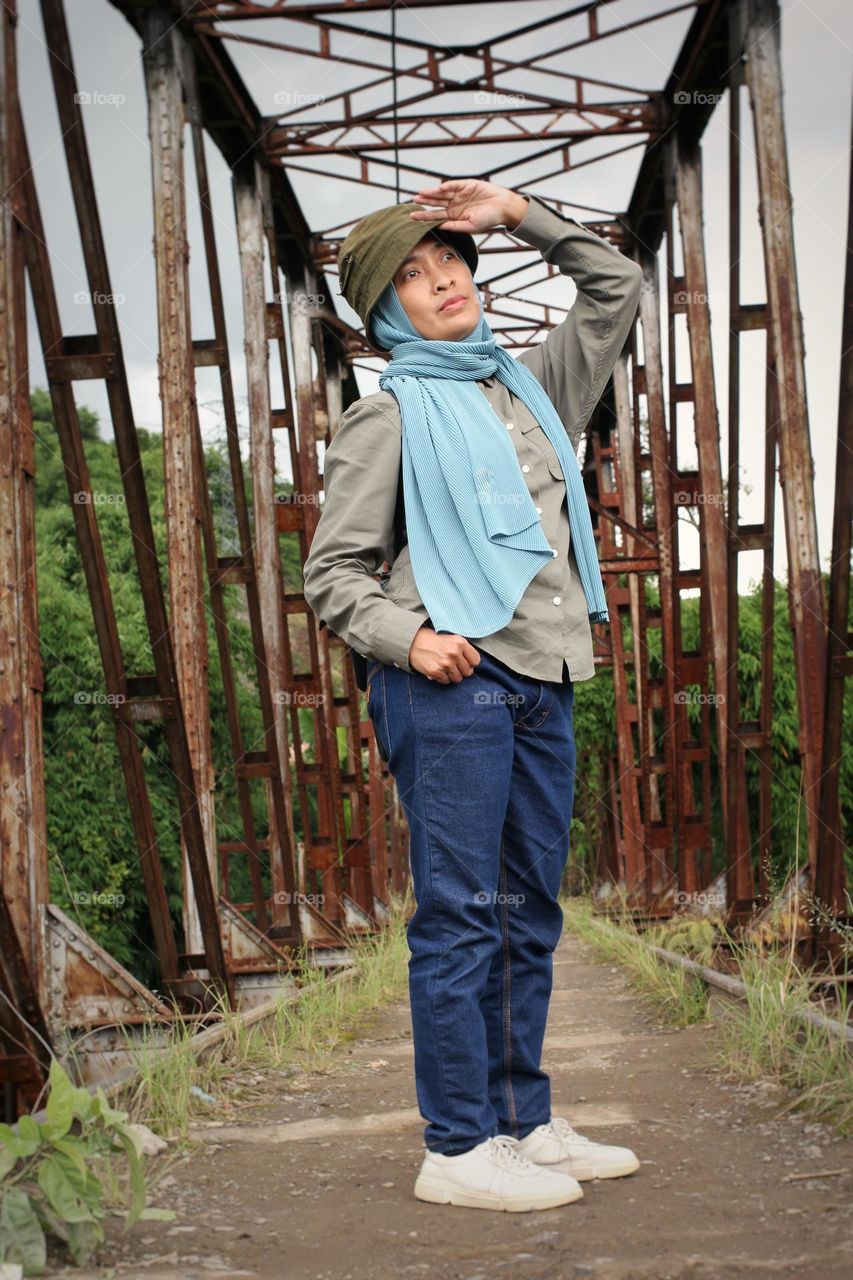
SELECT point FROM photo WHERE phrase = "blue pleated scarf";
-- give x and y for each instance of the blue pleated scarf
(475, 539)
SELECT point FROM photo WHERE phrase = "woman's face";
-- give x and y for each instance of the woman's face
(437, 291)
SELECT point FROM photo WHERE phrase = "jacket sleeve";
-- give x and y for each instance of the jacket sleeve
(355, 534)
(576, 358)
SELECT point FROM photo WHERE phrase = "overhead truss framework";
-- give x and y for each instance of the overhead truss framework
(330, 848)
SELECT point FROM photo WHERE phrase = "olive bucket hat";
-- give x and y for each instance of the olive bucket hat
(372, 252)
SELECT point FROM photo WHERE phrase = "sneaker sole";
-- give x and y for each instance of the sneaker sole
(619, 1170)
(441, 1193)
(588, 1173)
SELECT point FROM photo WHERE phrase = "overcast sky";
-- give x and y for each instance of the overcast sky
(817, 41)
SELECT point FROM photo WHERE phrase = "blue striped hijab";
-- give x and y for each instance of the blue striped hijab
(475, 539)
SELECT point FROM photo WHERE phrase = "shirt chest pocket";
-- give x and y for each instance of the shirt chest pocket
(538, 444)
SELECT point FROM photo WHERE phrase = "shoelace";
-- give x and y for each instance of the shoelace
(506, 1155)
(562, 1129)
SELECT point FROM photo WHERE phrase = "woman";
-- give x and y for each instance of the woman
(497, 547)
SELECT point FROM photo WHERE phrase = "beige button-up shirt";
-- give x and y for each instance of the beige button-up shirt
(378, 616)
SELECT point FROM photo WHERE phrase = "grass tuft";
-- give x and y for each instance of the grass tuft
(680, 998)
(762, 1037)
(766, 1038)
(175, 1086)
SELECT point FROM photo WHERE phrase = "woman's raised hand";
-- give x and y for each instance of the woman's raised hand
(469, 204)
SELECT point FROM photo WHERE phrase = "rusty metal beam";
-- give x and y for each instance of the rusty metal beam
(23, 821)
(242, 10)
(287, 143)
(692, 784)
(830, 879)
(25, 1047)
(649, 384)
(166, 123)
(693, 302)
(630, 666)
(796, 468)
(748, 854)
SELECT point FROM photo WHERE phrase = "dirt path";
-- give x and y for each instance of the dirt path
(317, 1185)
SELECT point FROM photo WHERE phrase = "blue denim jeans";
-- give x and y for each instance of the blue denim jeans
(485, 771)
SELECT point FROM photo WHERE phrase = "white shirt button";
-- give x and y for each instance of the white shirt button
(510, 426)
(539, 509)
(525, 467)
(558, 599)
(553, 551)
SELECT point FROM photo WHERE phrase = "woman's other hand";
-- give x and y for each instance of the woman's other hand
(443, 657)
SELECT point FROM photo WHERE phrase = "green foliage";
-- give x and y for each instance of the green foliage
(48, 1180)
(594, 718)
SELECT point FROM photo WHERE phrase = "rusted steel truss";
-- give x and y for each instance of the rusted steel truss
(674, 813)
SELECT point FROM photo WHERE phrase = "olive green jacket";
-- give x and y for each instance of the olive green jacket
(379, 616)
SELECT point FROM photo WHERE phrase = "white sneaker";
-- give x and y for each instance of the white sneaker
(557, 1145)
(493, 1175)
